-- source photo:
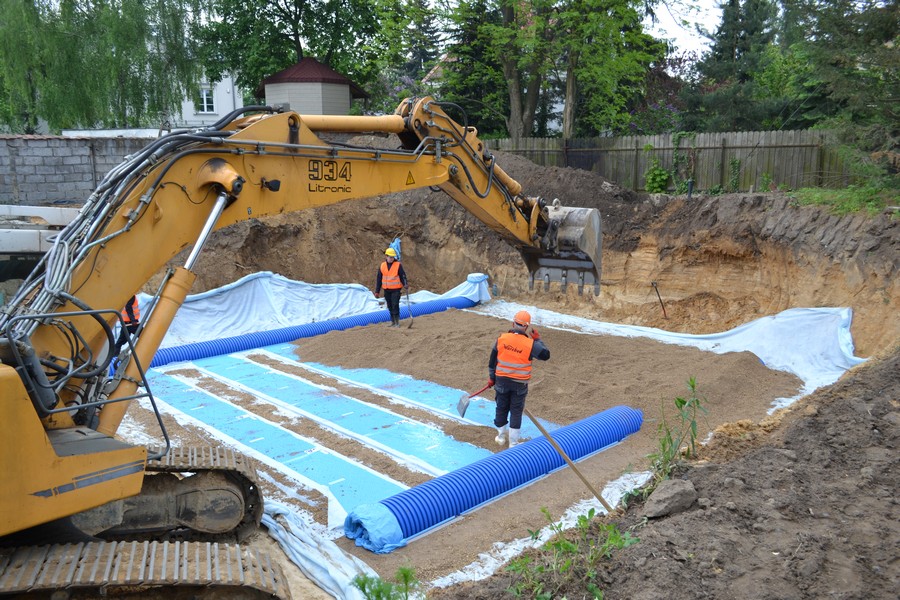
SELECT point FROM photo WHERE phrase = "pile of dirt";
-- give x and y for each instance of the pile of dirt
(799, 505)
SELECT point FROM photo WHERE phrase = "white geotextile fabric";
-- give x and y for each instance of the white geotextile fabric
(320, 559)
(266, 301)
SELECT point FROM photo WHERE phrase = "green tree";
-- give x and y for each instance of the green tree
(589, 55)
(424, 45)
(853, 47)
(607, 58)
(522, 44)
(724, 96)
(121, 63)
(467, 75)
(400, 55)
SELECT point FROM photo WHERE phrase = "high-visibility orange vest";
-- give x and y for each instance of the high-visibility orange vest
(135, 312)
(514, 356)
(390, 276)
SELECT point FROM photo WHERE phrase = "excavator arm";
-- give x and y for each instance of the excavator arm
(64, 392)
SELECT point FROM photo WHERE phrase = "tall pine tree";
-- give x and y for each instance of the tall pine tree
(724, 96)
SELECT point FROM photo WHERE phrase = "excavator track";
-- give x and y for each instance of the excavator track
(149, 570)
(238, 467)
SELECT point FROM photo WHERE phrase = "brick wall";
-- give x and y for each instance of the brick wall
(39, 169)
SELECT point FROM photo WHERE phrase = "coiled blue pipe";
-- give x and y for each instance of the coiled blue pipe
(260, 339)
(433, 502)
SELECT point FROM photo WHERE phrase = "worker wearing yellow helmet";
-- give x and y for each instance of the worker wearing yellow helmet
(509, 371)
(392, 278)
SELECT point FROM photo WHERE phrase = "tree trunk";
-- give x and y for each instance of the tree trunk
(568, 129)
(514, 121)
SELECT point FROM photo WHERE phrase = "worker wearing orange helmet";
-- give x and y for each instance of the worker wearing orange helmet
(392, 278)
(509, 371)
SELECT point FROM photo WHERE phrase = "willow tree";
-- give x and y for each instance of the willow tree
(120, 63)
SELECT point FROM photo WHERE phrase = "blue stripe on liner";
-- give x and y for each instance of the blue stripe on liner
(350, 482)
(403, 437)
(423, 394)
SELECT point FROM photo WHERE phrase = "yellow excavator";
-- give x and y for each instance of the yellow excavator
(83, 512)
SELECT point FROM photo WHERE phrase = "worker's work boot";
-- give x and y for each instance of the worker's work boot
(513, 437)
(501, 436)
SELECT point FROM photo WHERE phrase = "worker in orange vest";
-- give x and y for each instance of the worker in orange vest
(509, 372)
(131, 321)
(392, 278)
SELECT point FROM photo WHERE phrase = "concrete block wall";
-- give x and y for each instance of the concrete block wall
(43, 169)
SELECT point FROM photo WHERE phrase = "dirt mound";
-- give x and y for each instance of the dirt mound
(802, 508)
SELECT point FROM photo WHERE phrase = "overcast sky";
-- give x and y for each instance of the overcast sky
(672, 15)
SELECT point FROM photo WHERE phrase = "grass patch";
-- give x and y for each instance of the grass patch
(855, 198)
(570, 560)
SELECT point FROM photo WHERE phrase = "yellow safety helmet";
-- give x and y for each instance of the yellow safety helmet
(390, 252)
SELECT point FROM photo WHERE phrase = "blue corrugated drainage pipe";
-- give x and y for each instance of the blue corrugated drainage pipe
(387, 525)
(261, 339)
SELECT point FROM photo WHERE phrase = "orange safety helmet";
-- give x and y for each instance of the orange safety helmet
(522, 318)
(390, 252)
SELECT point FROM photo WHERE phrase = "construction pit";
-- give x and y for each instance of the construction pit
(690, 266)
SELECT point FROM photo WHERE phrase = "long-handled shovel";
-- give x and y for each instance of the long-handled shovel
(568, 460)
(409, 308)
(463, 403)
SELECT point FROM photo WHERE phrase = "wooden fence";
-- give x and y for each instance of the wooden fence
(732, 161)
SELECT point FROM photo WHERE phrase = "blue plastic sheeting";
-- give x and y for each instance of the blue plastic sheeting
(408, 390)
(433, 502)
(396, 246)
(433, 450)
(339, 477)
(259, 339)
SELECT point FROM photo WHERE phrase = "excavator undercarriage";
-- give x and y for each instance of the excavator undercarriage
(180, 531)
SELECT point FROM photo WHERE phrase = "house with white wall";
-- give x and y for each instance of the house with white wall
(209, 104)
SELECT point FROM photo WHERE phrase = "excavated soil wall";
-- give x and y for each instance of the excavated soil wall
(716, 261)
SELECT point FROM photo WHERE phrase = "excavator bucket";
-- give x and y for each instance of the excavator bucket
(570, 249)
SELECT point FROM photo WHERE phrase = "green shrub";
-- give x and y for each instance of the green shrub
(679, 439)
(404, 587)
(656, 179)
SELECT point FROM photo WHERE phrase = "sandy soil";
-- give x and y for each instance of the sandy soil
(800, 504)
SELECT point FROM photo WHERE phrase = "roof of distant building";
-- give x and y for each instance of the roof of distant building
(309, 70)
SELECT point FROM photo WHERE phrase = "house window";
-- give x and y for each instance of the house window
(206, 103)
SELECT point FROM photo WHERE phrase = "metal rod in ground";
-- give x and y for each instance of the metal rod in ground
(568, 460)
(655, 287)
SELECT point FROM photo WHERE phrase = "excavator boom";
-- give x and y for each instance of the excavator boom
(65, 392)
